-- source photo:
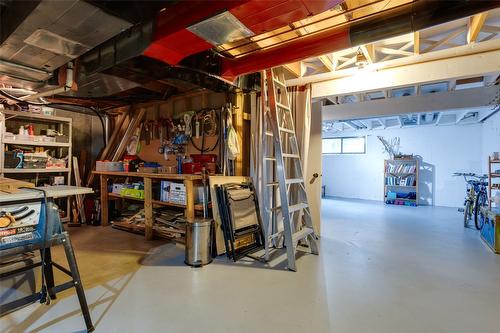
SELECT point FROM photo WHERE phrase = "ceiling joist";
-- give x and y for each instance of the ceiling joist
(327, 62)
(476, 23)
(445, 39)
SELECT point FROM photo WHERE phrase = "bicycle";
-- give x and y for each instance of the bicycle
(476, 197)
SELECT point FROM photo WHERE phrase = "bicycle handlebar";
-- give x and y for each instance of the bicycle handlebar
(475, 175)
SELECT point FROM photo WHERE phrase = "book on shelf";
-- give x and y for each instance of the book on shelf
(400, 181)
(401, 168)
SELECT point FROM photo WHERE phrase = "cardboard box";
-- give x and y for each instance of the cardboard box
(164, 190)
(177, 193)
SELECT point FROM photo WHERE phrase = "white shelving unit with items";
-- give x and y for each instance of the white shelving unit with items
(42, 138)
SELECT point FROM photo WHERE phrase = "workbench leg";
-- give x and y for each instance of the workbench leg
(189, 199)
(104, 200)
(148, 208)
(48, 272)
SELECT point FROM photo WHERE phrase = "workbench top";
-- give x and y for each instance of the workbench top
(168, 176)
(51, 191)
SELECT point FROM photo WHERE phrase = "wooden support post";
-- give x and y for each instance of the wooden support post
(104, 200)
(238, 126)
(148, 209)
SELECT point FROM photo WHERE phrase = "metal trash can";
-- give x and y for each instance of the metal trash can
(198, 242)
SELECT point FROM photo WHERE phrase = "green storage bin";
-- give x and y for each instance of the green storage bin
(132, 193)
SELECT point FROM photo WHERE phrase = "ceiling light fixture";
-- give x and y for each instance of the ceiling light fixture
(361, 60)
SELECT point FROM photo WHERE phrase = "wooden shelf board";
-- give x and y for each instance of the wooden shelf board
(401, 199)
(412, 186)
(38, 143)
(49, 170)
(155, 202)
(41, 117)
(167, 176)
(400, 173)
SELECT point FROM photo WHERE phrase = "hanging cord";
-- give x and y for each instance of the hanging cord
(209, 118)
(44, 289)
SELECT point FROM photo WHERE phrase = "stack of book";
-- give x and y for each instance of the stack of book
(400, 181)
(401, 168)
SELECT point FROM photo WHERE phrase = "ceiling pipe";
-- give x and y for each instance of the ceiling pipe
(68, 84)
(414, 16)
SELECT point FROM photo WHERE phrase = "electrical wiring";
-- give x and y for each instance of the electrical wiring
(14, 98)
(208, 118)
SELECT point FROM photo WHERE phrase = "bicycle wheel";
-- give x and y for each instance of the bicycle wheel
(481, 201)
(467, 213)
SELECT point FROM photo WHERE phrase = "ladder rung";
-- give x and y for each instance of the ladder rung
(283, 106)
(279, 82)
(279, 233)
(294, 181)
(288, 182)
(270, 159)
(269, 133)
(274, 209)
(287, 130)
(297, 207)
(301, 234)
(291, 155)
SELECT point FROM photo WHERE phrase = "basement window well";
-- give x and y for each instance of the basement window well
(345, 145)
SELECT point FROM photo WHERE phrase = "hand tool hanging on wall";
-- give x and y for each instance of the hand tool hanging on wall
(147, 133)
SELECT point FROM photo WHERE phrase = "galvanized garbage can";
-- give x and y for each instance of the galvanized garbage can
(198, 242)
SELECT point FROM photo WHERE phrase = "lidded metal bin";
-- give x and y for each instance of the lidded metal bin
(198, 242)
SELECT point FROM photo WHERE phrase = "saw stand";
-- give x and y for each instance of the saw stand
(52, 289)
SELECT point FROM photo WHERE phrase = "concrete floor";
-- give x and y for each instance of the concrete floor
(381, 269)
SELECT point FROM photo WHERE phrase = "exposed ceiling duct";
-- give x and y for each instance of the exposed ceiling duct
(171, 48)
(152, 50)
(394, 22)
(50, 34)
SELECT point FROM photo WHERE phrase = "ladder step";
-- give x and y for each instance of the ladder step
(288, 182)
(268, 133)
(301, 234)
(269, 158)
(286, 130)
(279, 233)
(283, 106)
(291, 155)
(278, 82)
(297, 207)
(294, 181)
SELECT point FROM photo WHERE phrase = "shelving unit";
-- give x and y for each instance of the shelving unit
(401, 175)
(492, 176)
(190, 208)
(12, 119)
(61, 124)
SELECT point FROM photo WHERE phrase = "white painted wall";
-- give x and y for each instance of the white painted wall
(444, 150)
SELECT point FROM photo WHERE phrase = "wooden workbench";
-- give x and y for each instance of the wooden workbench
(188, 181)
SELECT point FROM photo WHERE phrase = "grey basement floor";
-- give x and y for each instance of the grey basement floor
(381, 269)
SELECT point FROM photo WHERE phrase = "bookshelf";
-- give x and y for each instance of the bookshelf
(401, 181)
(493, 185)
